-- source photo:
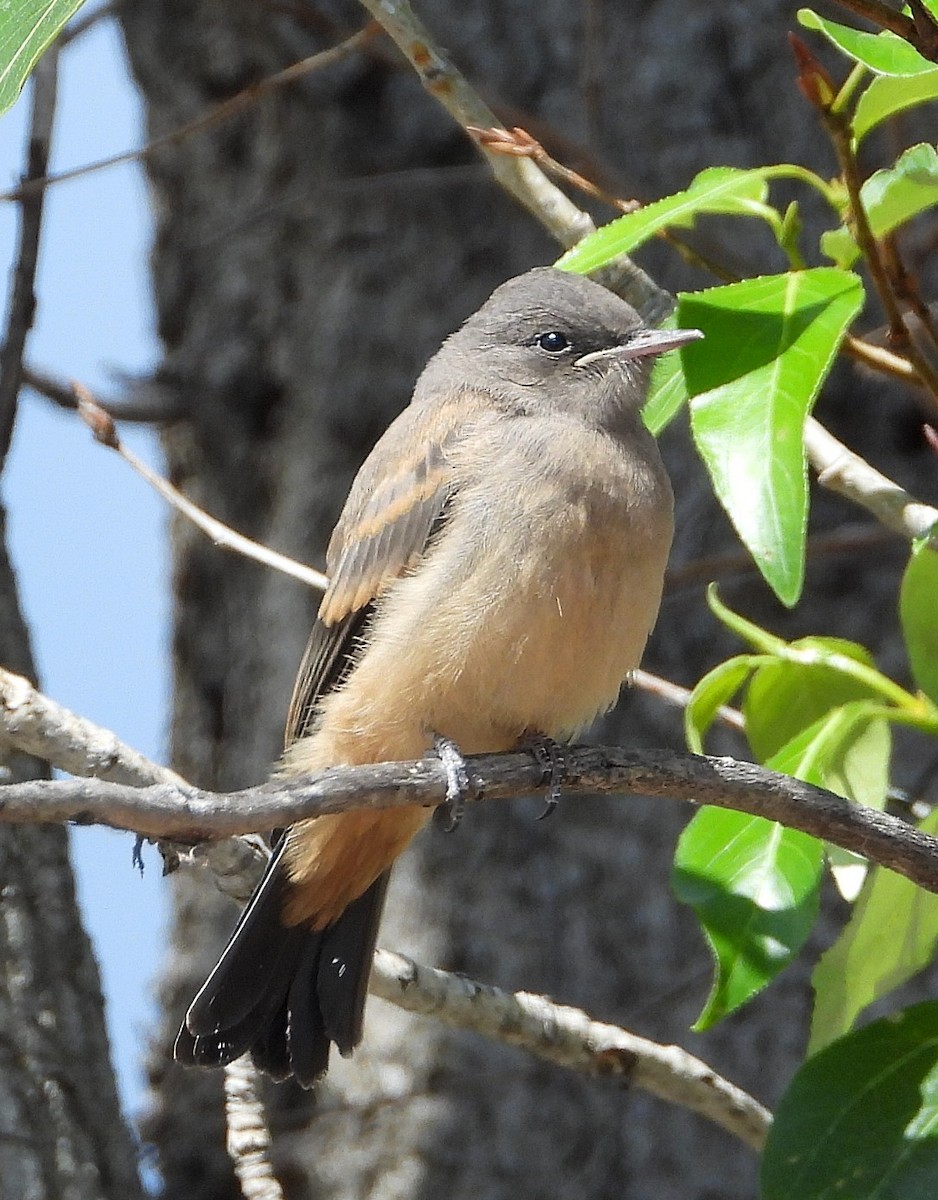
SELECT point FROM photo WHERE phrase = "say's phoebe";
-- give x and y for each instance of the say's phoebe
(496, 571)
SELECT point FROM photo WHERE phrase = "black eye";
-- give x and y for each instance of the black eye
(553, 342)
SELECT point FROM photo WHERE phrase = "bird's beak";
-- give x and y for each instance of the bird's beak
(641, 344)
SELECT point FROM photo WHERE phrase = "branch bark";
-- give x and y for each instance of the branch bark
(189, 814)
(570, 1038)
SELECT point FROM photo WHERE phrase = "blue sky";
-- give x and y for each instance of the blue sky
(87, 537)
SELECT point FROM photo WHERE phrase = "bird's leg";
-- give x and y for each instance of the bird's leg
(459, 788)
(550, 756)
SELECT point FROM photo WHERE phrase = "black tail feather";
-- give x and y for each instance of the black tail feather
(285, 993)
(344, 966)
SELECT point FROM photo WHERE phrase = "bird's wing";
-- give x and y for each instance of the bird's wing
(395, 505)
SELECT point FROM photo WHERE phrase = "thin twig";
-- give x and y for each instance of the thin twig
(22, 308)
(80, 25)
(105, 432)
(673, 693)
(520, 177)
(519, 143)
(878, 358)
(841, 470)
(846, 539)
(570, 1038)
(192, 815)
(906, 287)
(838, 128)
(151, 403)
(222, 112)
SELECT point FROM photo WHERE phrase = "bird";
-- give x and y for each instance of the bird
(494, 576)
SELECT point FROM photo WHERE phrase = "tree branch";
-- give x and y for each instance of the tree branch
(101, 424)
(519, 176)
(248, 1138)
(190, 815)
(37, 725)
(23, 295)
(841, 470)
(570, 1038)
(36, 184)
(566, 1036)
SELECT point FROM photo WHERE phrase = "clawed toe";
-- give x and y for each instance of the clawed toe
(459, 789)
(550, 756)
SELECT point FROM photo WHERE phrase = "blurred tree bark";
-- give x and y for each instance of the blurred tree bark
(310, 255)
(62, 1130)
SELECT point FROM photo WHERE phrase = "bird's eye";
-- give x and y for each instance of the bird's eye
(553, 342)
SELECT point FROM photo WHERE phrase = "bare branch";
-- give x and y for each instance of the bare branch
(36, 725)
(102, 426)
(248, 1138)
(23, 296)
(570, 1038)
(679, 697)
(520, 177)
(842, 471)
(149, 403)
(79, 26)
(35, 185)
(878, 358)
(518, 143)
(188, 814)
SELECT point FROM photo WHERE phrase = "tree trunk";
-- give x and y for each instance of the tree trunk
(62, 1131)
(63, 1135)
(310, 255)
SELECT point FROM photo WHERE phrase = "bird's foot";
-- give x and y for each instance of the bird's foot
(459, 787)
(550, 756)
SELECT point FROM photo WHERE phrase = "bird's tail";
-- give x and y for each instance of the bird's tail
(285, 993)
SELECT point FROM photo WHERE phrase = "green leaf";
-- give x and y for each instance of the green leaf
(846, 750)
(26, 29)
(716, 190)
(769, 345)
(754, 887)
(667, 393)
(890, 197)
(716, 688)
(887, 95)
(918, 610)
(891, 936)
(860, 1119)
(885, 53)
(785, 698)
(830, 727)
